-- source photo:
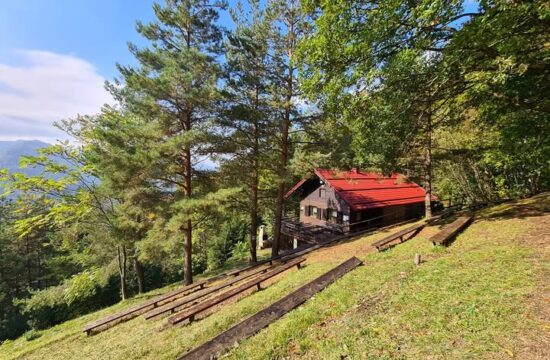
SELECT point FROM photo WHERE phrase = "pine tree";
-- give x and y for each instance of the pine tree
(287, 29)
(174, 88)
(247, 114)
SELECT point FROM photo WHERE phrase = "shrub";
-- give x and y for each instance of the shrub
(231, 233)
(240, 251)
(32, 334)
(79, 295)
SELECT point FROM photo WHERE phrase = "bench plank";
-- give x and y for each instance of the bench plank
(399, 235)
(263, 318)
(137, 310)
(190, 313)
(171, 307)
(451, 230)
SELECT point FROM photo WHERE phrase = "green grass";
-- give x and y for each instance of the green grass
(475, 299)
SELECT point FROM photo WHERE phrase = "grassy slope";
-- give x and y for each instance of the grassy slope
(482, 297)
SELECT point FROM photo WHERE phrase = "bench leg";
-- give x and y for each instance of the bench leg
(299, 266)
(191, 318)
(259, 286)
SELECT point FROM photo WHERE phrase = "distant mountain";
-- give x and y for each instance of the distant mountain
(11, 151)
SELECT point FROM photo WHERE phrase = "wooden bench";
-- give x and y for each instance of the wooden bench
(190, 313)
(128, 314)
(412, 230)
(193, 297)
(251, 325)
(135, 311)
(171, 307)
(451, 230)
(442, 215)
(237, 272)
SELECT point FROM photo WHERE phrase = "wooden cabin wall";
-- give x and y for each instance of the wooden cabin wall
(323, 197)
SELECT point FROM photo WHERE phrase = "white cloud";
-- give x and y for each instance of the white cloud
(47, 87)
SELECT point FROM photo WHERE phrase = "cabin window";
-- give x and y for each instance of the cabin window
(322, 192)
(332, 215)
(313, 211)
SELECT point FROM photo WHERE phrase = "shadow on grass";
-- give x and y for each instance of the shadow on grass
(538, 205)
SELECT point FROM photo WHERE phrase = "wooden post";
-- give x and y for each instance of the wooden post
(417, 259)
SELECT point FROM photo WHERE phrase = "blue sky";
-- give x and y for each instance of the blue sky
(93, 30)
(55, 56)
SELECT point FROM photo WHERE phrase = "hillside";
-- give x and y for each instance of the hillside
(11, 151)
(485, 296)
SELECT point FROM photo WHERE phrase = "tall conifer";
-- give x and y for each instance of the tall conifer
(173, 88)
(248, 116)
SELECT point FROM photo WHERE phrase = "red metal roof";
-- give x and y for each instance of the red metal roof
(295, 187)
(366, 190)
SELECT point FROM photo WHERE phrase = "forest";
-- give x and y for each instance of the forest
(213, 125)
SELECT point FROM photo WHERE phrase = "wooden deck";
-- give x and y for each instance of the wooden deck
(248, 327)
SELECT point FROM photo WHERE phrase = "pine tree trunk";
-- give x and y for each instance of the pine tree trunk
(254, 183)
(284, 136)
(188, 229)
(428, 167)
(121, 257)
(138, 269)
(281, 188)
(28, 262)
(254, 215)
(187, 191)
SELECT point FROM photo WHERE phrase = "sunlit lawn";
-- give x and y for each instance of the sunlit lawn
(474, 299)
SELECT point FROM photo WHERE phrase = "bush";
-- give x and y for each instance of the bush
(241, 250)
(231, 233)
(79, 295)
(32, 334)
(12, 322)
(45, 307)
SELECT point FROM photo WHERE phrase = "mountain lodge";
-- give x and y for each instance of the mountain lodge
(339, 202)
